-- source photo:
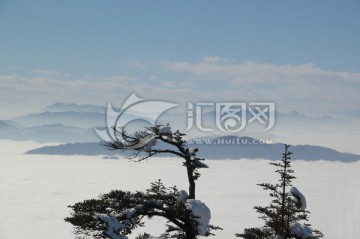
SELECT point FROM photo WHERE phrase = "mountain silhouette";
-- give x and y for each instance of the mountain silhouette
(226, 147)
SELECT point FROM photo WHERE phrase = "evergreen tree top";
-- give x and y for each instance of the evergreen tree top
(285, 217)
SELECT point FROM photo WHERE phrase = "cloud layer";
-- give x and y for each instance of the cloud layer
(306, 88)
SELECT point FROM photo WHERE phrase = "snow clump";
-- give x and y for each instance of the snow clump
(113, 225)
(165, 129)
(182, 196)
(301, 231)
(299, 196)
(202, 215)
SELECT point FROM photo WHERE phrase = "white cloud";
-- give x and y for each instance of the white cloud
(306, 88)
(138, 64)
(252, 71)
(215, 59)
(119, 79)
(168, 84)
(153, 77)
(18, 95)
(303, 87)
(46, 72)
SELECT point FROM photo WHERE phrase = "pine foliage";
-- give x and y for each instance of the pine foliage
(286, 216)
(116, 214)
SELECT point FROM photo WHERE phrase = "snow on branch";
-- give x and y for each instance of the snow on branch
(182, 196)
(116, 214)
(301, 231)
(299, 197)
(202, 215)
(165, 129)
(113, 225)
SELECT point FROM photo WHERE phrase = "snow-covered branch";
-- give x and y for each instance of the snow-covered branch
(299, 197)
(116, 214)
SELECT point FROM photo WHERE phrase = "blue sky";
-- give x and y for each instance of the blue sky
(304, 55)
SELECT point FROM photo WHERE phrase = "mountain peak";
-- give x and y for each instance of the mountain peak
(61, 104)
(296, 114)
(64, 107)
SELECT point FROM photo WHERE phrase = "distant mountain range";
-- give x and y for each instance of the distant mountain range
(47, 133)
(226, 147)
(72, 123)
(63, 123)
(68, 118)
(63, 107)
(232, 147)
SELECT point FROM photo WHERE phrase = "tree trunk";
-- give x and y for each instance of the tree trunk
(190, 173)
(190, 233)
(192, 190)
(284, 194)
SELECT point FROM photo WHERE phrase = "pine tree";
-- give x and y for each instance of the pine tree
(116, 214)
(286, 212)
